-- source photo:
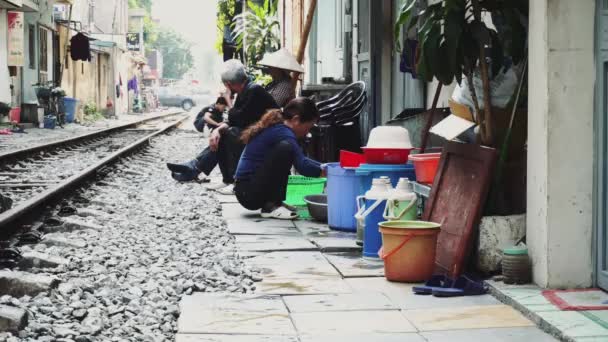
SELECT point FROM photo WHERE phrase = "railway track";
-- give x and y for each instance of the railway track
(36, 176)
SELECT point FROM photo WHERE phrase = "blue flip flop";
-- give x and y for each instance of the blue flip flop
(463, 286)
(436, 282)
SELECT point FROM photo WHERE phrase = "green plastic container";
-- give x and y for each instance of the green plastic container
(299, 187)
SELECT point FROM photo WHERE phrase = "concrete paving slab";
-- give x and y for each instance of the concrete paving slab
(294, 265)
(303, 286)
(258, 222)
(540, 308)
(531, 334)
(406, 337)
(334, 241)
(574, 324)
(351, 322)
(352, 265)
(261, 229)
(473, 317)
(402, 295)
(338, 302)
(269, 243)
(233, 338)
(234, 314)
(235, 210)
(308, 227)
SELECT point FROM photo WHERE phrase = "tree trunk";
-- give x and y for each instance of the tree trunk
(487, 135)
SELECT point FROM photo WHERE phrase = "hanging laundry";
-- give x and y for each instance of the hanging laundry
(80, 49)
(132, 85)
(408, 57)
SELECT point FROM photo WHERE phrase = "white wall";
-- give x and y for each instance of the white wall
(560, 145)
(5, 92)
(30, 76)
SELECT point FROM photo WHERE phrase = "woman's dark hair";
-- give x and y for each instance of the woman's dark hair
(303, 107)
(221, 101)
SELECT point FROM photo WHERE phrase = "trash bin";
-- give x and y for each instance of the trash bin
(70, 108)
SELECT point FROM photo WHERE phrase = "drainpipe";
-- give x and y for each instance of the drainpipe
(348, 38)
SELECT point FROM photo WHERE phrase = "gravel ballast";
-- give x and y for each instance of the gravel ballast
(160, 240)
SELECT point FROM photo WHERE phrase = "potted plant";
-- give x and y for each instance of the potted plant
(256, 30)
(454, 41)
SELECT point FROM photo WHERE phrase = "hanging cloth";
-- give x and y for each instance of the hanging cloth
(80, 48)
(132, 85)
(408, 57)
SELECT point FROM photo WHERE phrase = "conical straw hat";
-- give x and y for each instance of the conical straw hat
(281, 59)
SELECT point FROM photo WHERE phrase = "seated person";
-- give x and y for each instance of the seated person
(279, 65)
(225, 145)
(211, 116)
(271, 151)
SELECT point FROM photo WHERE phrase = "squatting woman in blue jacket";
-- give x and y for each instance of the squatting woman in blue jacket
(272, 150)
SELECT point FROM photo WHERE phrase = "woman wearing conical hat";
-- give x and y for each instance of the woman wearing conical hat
(279, 65)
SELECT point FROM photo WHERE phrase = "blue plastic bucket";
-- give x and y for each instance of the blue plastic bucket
(367, 172)
(342, 191)
(50, 122)
(70, 108)
(372, 239)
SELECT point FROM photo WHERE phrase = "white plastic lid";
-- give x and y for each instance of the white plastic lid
(381, 189)
(389, 137)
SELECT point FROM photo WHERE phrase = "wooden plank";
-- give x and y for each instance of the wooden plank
(457, 200)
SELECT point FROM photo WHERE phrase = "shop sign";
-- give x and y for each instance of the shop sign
(16, 42)
(134, 41)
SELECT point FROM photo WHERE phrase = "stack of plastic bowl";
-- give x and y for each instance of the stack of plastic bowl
(388, 145)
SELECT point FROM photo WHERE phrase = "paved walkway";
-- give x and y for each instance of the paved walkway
(317, 288)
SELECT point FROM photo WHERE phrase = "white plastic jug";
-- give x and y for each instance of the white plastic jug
(378, 193)
(402, 202)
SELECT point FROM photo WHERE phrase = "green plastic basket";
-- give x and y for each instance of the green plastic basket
(299, 187)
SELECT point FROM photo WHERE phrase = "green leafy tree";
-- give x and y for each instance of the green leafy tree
(454, 40)
(225, 15)
(150, 27)
(177, 55)
(257, 30)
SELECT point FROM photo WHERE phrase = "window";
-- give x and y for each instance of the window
(31, 34)
(339, 29)
(44, 47)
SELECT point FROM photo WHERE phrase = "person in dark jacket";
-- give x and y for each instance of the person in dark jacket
(225, 145)
(272, 150)
(211, 116)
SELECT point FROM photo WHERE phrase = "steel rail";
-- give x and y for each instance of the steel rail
(21, 211)
(41, 147)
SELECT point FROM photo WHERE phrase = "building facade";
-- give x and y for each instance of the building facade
(567, 148)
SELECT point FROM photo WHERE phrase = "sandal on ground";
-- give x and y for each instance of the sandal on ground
(281, 213)
(289, 207)
(463, 286)
(436, 282)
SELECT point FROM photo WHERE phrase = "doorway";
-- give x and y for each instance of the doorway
(601, 145)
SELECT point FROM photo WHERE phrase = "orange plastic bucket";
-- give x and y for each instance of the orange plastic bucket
(426, 166)
(408, 250)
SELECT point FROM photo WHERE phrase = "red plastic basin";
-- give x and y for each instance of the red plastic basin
(351, 159)
(386, 155)
(425, 166)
